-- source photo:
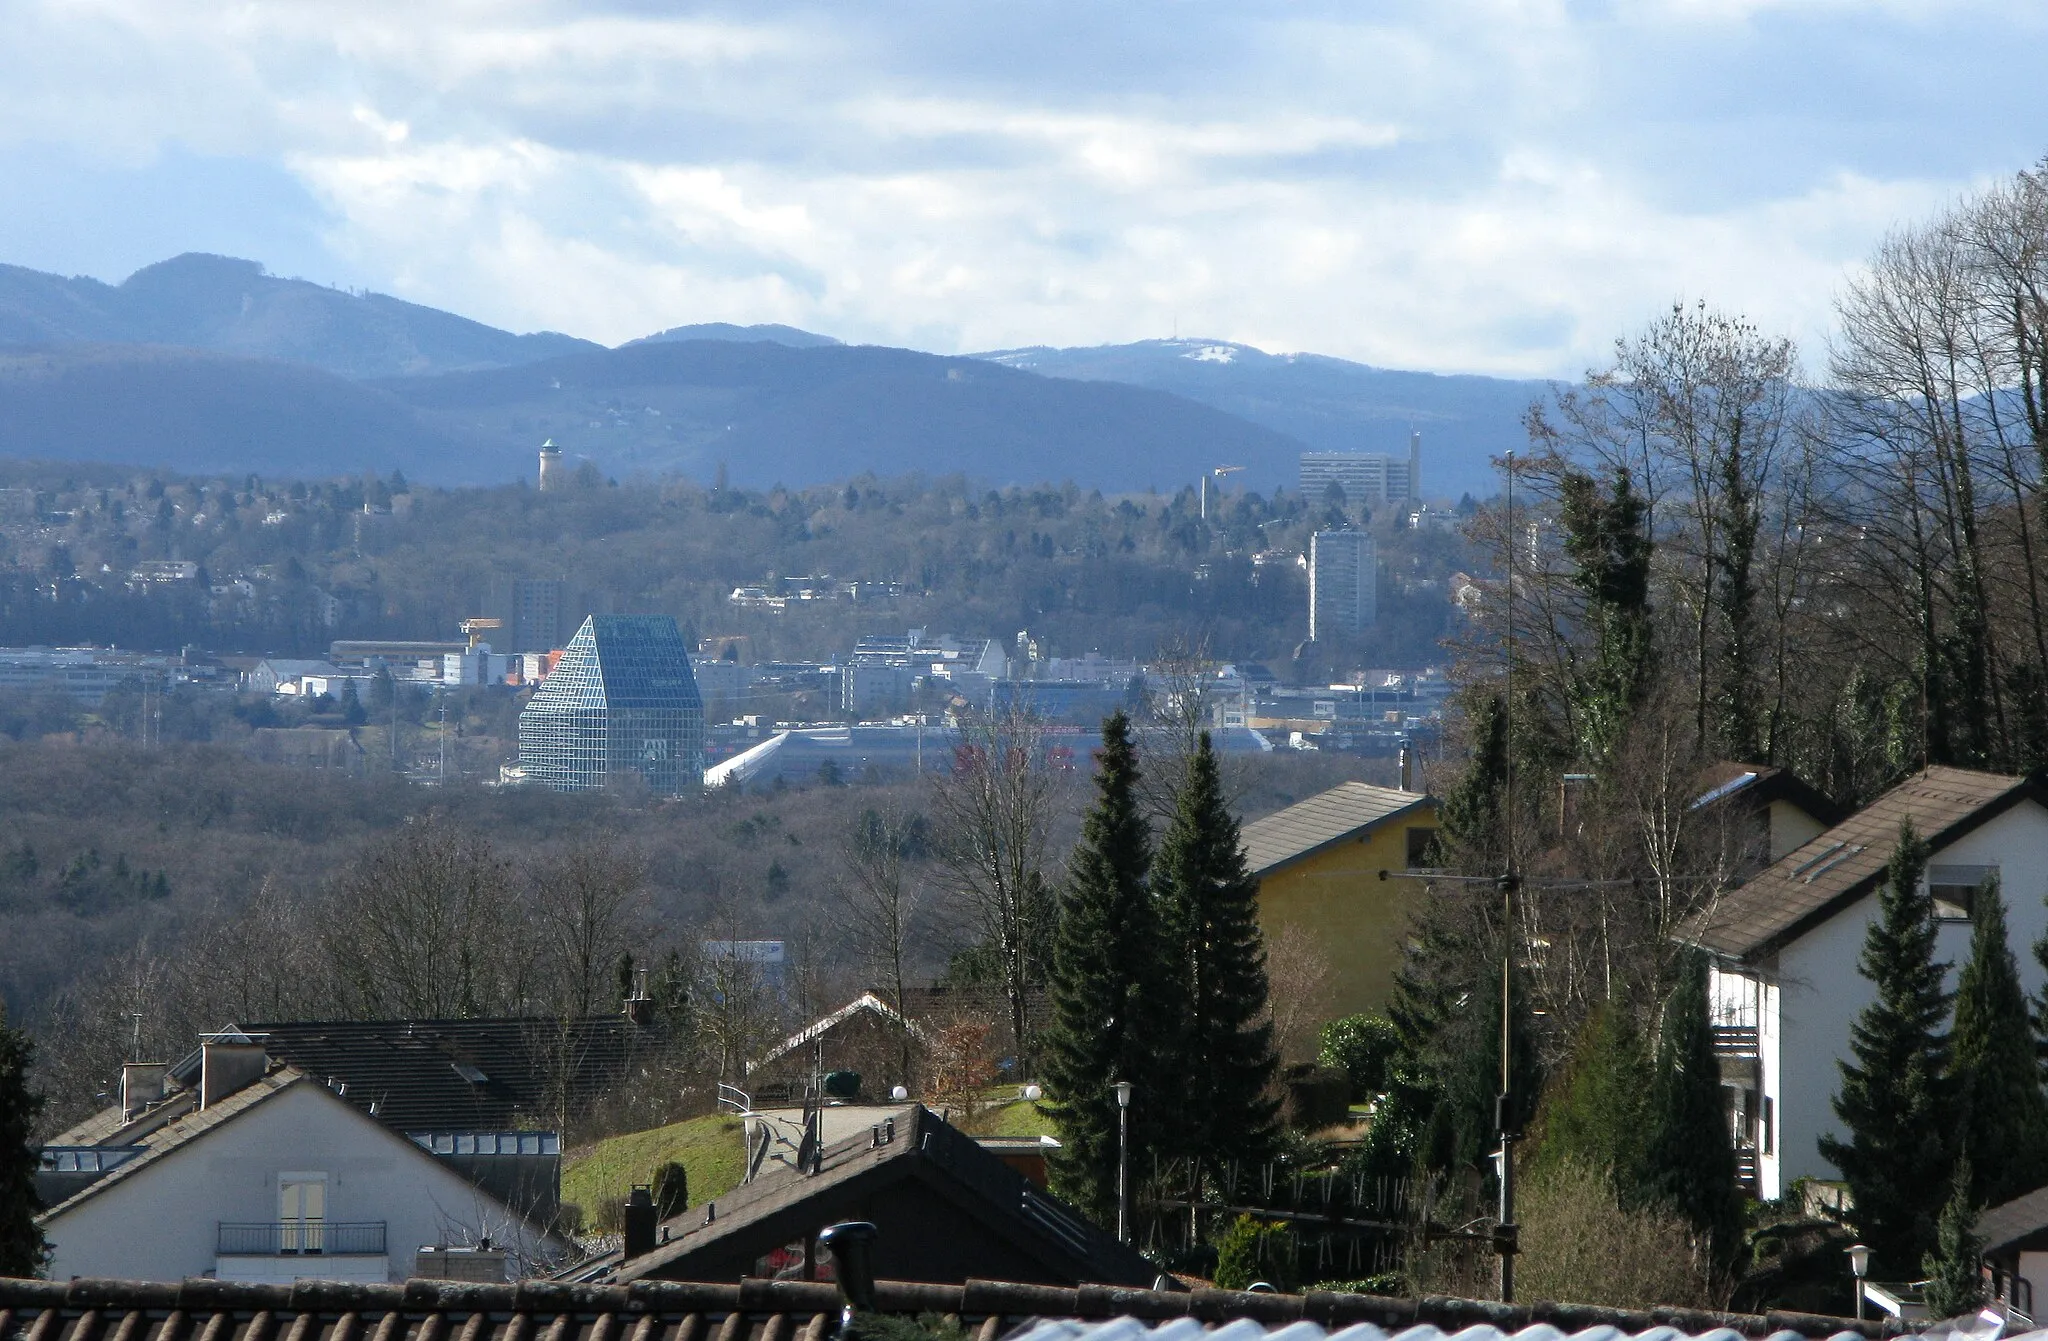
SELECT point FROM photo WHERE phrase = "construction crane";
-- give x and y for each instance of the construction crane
(1216, 474)
(478, 627)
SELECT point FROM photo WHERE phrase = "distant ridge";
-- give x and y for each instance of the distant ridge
(232, 306)
(724, 330)
(1329, 404)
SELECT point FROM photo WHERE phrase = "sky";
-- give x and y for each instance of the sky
(1497, 186)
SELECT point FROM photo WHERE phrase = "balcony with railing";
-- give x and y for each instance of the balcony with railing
(302, 1238)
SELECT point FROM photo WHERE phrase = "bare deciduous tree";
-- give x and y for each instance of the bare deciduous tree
(991, 817)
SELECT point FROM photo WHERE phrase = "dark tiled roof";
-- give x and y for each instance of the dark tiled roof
(1761, 784)
(1309, 826)
(762, 1310)
(455, 1075)
(1809, 883)
(2023, 1217)
(784, 1205)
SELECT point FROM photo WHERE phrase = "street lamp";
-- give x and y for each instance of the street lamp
(1123, 1160)
(1859, 1266)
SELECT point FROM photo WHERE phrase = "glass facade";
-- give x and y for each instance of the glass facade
(621, 700)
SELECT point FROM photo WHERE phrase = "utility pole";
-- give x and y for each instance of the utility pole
(1506, 1233)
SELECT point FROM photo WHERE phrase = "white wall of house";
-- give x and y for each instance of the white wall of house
(160, 1223)
(1821, 992)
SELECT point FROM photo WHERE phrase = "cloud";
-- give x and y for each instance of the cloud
(1487, 185)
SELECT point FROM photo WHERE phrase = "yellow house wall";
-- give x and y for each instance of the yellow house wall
(1791, 827)
(1356, 920)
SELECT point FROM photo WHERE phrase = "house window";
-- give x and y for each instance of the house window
(1954, 889)
(1770, 1113)
(1419, 843)
(302, 1212)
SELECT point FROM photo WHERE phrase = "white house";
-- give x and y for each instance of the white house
(259, 1173)
(1786, 942)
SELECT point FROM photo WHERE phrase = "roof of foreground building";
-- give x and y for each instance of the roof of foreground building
(778, 1310)
(1307, 827)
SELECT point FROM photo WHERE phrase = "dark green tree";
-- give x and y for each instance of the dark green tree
(22, 1249)
(1690, 1164)
(1955, 1268)
(1220, 1052)
(671, 1190)
(1606, 541)
(1895, 1099)
(1996, 1076)
(1472, 836)
(1598, 1112)
(1106, 958)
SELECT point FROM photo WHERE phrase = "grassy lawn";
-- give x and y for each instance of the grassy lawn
(709, 1147)
(1014, 1118)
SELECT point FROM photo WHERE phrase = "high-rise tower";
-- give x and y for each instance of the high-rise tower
(621, 700)
(1343, 584)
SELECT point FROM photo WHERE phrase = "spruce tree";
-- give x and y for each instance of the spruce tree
(1472, 837)
(1955, 1269)
(1895, 1100)
(2003, 1116)
(1221, 1054)
(1105, 958)
(1690, 1164)
(1598, 1112)
(22, 1250)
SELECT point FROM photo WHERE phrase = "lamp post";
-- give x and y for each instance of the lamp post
(1859, 1266)
(1123, 1160)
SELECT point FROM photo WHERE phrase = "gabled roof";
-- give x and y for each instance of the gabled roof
(2021, 1218)
(784, 1204)
(865, 1003)
(1811, 883)
(784, 1310)
(452, 1075)
(1761, 784)
(1347, 810)
(157, 1141)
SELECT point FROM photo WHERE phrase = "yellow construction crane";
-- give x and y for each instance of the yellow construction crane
(478, 627)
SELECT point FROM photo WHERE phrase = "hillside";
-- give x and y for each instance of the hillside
(1329, 404)
(774, 414)
(187, 410)
(231, 306)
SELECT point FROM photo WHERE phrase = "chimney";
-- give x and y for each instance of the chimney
(640, 1220)
(142, 1084)
(640, 1006)
(1407, 766)
(227, 1063)
(852, 1246)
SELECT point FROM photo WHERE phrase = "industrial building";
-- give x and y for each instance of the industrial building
(621, 700)
(1367, 478)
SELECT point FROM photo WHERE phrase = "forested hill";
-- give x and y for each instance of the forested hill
(231, 306)
(1328, 404)
(770, 414)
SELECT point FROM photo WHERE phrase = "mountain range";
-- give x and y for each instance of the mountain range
(206, 363)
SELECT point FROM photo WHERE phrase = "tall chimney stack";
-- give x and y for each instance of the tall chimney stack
(641, 1217)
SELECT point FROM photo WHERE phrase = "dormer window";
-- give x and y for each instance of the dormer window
(1954, 889)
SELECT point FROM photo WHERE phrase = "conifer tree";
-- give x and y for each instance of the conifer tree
(22, 1250)
(1598, 1113)
(1221, 1059)
(1690, 1164)
(1955, 1269)
(2003, 1116)
(1473, 834)
(1894, 1100)
(1105, 963)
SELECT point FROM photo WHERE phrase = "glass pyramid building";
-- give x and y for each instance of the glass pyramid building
(621, 700)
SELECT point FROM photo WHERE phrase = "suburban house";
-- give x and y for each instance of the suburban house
(1319, 865)
(948, 1211)
(261, 1172)
(867, 1037)
(1785, 945)
(1779, 808)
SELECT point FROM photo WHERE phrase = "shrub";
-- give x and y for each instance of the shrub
(1254, 1250)
(671, 1190)
(1579, 1246)
(1363, 1045)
